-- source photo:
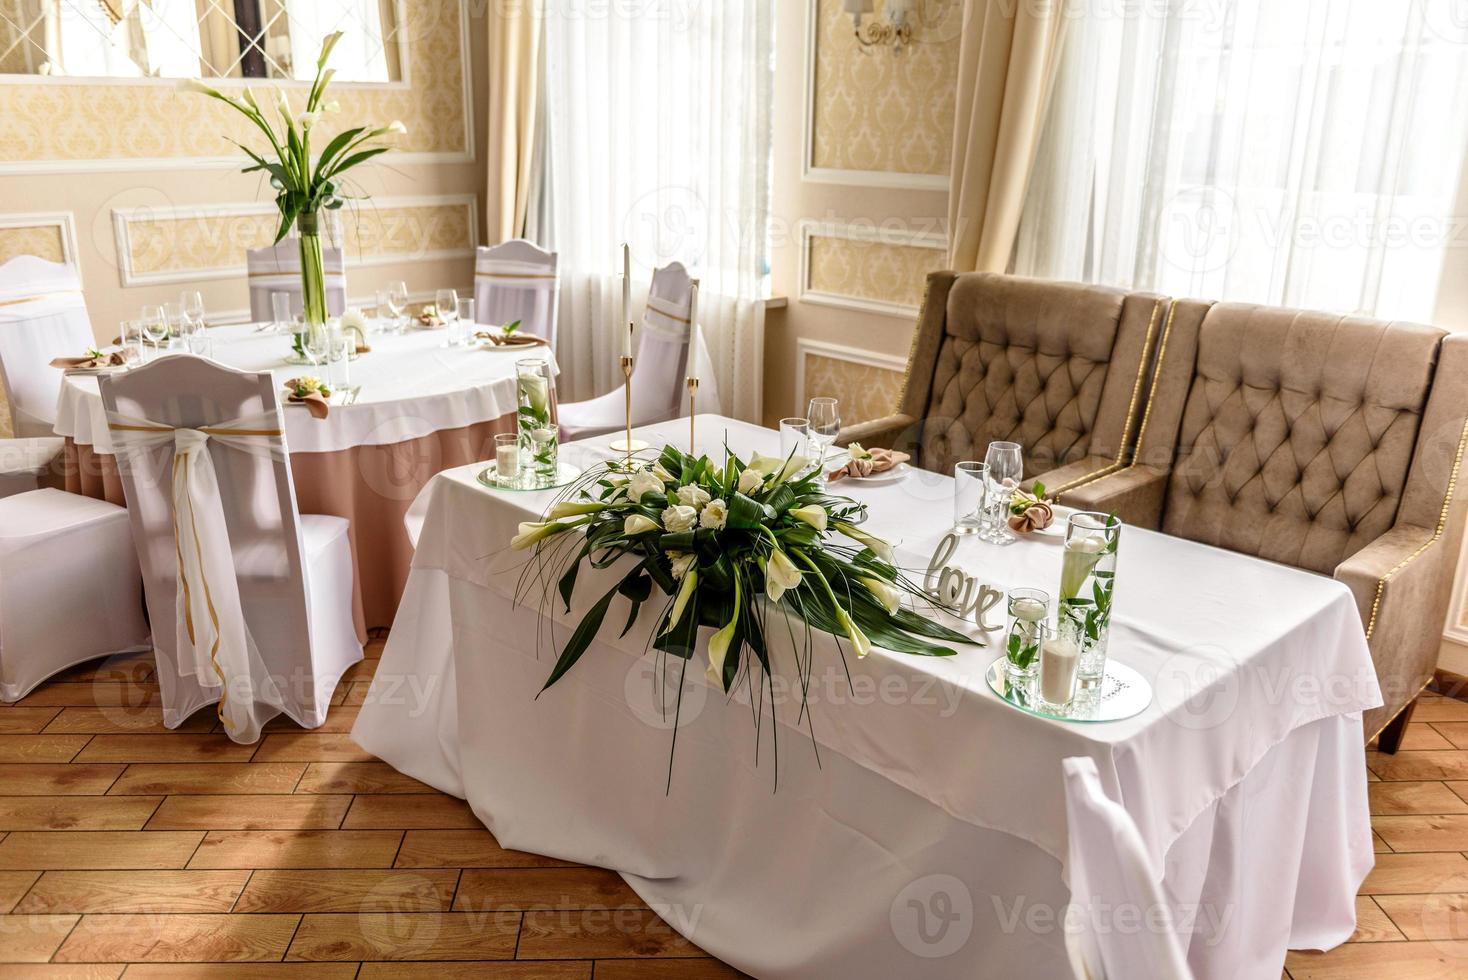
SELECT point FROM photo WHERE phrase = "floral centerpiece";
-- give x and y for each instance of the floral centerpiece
(717, 540)
(304, 189)
(539, 433)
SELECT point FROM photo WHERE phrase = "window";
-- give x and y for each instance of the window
(1305, 154)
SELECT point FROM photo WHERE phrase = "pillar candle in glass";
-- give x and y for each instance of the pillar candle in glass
(1059, 668)
(507, 458)
(1028, 609)
(539, 436)
(1087, 582)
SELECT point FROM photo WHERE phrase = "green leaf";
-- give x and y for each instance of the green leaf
(568, 580)
(336, 146)
(746, 513)
(585, 633)
(355, 159)
(636, 587)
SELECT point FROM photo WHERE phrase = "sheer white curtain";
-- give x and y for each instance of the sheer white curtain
(1304, 154)
(658, 134)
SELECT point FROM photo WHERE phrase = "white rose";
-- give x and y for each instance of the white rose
(681, 563)
(643, 482)
(750, 481)
(680, 518)
(693, 495)
(715, 515)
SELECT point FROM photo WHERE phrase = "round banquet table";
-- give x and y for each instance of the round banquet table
(422, 408)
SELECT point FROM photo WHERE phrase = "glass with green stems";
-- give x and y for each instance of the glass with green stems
(304, 189)
(539, 433)
(1087, 583)
(1027, 611)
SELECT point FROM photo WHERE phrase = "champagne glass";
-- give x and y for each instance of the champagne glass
(1006, 469)
(280, 311)
(155, 326)
(397, 304)
(825, 425)
(447, 303)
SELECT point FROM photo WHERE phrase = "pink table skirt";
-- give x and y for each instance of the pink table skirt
(371, 486)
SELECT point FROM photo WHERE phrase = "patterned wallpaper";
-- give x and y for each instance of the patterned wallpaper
(42, 241)
(865, 391)
(880, 111)
(877, 271)
(63, 121)
(218, 241)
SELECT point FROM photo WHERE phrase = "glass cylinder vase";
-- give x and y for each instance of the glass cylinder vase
(539, 434)
(313, 269)
(1087, 582)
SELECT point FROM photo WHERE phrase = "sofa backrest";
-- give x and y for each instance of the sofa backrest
(1298, 431)
(1057, 367)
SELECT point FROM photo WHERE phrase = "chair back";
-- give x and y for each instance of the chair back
(1057, 367)
(1111, 881)
(658, 390)
(42, 316)
(1297, 433)
(516, 280)
(258, 500)
(277, 269)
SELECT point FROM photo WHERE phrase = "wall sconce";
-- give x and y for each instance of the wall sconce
(893, 30)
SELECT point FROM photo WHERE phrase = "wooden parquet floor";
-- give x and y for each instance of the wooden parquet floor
(130, 850)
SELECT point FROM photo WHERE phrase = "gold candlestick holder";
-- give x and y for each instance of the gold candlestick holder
(627, 444)
(692, 413)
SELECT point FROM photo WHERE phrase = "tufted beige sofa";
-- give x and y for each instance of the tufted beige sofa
(1059, 368)
(1327, 442)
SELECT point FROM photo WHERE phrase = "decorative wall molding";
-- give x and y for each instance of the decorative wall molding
(888, 179)
(805, 349)
(63, 221)
(123, 220)
(365, 100)
(810, 230)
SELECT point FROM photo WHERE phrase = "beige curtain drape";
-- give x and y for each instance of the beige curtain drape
(1006, 68)
(514, 92)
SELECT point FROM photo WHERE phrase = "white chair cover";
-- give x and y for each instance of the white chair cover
(69, 586)
(277, 269)
(42, 316)
(1119, 925)
(260, 595)
(516, 280)
(659, 391)
(29, 464)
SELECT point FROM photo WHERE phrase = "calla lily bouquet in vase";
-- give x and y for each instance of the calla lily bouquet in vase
(303, 187)
(738, 548)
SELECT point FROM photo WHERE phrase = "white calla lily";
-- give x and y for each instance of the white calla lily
(812, 514)
(880, 548)
(644, 482)
(575, 508)
(662, 474)
(685, 592)
(859, 641)
(681, 562)
(780, 575)
(533, 531)
(638, 524)
(889, 597)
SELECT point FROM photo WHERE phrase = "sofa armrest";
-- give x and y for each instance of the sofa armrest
(889, 432)
(1402, 584)
(1135, 494)
(1071, 475)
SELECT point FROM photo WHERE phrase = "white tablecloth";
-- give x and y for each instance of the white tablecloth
(412, 386)
(932, 798)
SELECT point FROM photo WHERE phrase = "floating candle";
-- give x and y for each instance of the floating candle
(1029, 610)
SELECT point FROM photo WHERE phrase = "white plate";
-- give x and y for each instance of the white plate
(886, 476)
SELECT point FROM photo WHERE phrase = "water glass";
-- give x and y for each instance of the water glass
(338, 344)
(316, 343)
(130, 336)
(794, 437)
(155, 326)
(970, 481)
(280, 312)
(1006, 469)
(198, 340)
(507, 457)
(1025, 637)
(464, 321)
(825, 425)
(192, 302)
(1087, 582)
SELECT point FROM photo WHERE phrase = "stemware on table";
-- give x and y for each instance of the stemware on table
(397, 305)
(825, 424)
(1006, 469)
(794, 437)
(446, 305)
(970, 484)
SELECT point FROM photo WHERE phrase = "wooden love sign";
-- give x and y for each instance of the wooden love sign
(958, 591)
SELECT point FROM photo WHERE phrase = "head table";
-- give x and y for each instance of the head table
(912, 824)
(422, 407)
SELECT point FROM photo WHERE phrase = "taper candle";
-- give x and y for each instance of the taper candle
(626, 312)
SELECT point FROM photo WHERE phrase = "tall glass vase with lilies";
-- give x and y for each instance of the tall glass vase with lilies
(737, 547)
(304, 188)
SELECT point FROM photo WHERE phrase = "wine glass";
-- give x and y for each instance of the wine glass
(825, 425)
(155, 326)
(317, 343)
(447, 303)
(397, 304)
(192, 302)
(1006, 469)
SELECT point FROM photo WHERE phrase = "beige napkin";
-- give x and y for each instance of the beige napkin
(498, 338)
(1036, 515)
(115, 359)
(314, 402)
(881, 461)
